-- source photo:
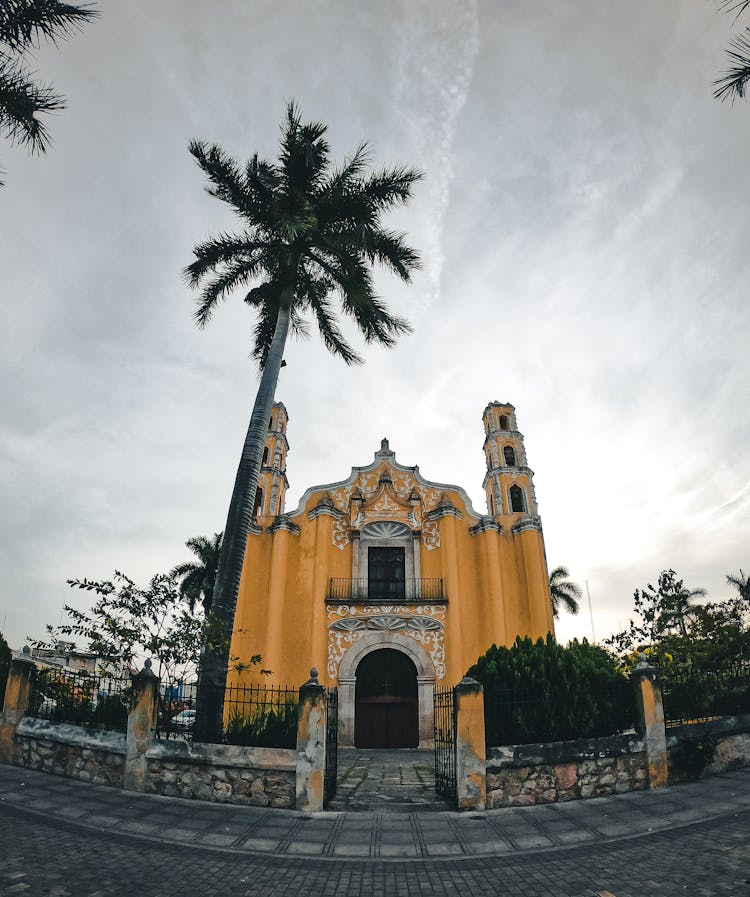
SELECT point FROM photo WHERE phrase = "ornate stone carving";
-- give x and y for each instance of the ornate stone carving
(385, 529)
(389, 493)
(424, 623)
(430, 535)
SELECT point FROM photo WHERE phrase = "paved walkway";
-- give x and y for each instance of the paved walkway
(395, 781)
(379, 835)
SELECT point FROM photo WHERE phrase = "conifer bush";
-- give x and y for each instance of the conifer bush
(541, 691)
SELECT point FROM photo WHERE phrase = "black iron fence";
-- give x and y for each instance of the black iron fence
(527, 713)
(254, 715)
(362, 589)
(332, 744)
(445, 743)
(94, 701)
(695, 697)
(261, 716)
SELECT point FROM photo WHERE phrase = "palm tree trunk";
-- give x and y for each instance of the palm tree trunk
(215, 660)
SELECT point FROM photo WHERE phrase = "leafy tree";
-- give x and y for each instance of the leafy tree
(661, 612)
(542, 691)
(23, 24)
(5, 658)
(733, 84)
(128, 622)
(197, 579)
(310, 232)
(563, 591)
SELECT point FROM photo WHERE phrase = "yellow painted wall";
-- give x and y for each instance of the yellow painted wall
(496, 584)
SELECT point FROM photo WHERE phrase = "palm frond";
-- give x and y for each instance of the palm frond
(734, 83)
(23, 22)
(304, 155)
(351, 171)
(21, 101)
(223, 249)
(317, 290)
(738, 6)
(563, 591)
(233, 275)
(228, 183)
(391, 186)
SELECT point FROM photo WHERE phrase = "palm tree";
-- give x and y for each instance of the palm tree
(310, 232)
(735, 81)
(23, 23)
(742, 584)
(678, 607)
(198, 579)
(563, 591)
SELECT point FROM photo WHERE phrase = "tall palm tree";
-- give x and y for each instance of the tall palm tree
(741, 583)
(733, 84)
(310, 232)
(678, 607)
(23, 23)
(563, 591)
(197, 579)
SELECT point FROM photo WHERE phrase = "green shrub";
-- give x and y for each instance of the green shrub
(541, 691)
(690, 758)
(267, 727)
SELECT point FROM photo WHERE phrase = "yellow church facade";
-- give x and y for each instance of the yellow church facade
(389, 584)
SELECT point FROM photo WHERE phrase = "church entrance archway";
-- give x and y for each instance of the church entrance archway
(386, 701)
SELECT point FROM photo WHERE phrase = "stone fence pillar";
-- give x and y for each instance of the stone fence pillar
(651, 723)
(144, 710)
(17, 697)
(311, 745)
(471, 754)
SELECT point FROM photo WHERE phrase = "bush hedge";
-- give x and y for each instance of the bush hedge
(541, 691)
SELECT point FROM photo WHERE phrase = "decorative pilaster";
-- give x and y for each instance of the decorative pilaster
(142, 719)
(651, 708)
(311, 745)
(471, 753)
(17, 697)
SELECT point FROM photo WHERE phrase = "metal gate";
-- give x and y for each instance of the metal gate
(332, 745)
(445, 744)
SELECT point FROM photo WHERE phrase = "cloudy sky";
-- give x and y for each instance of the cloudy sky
(583, 223)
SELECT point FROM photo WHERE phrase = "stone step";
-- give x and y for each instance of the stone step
(395, 809)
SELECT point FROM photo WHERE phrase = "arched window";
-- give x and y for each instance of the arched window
(509, 455)
(492, 506)
(258, 506)
(503, 421)
(270, 423)
(265, 457)
(517, 502)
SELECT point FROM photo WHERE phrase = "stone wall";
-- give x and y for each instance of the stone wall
(67, 750)
(728, 738)
(522, 775)
(263, 777)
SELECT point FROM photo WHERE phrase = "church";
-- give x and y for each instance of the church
(389, 584)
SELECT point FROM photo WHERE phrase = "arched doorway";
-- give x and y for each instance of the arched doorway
(387, 707)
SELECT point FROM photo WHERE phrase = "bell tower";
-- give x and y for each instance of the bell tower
(508, 482)
(272, 485)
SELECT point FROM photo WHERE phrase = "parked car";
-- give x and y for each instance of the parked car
(184, 720)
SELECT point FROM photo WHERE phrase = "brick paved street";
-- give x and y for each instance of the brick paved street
(88, 852)
(41, 858)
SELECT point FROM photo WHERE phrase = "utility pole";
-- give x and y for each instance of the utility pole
(591, 614)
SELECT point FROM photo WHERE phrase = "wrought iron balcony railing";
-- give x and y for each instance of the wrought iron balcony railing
(386, 590)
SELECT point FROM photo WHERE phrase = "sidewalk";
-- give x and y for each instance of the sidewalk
(428, 835)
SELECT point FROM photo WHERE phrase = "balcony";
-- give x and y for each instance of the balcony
(362, 590)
